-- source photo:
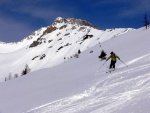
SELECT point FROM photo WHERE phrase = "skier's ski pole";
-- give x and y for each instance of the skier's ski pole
(102, 65)
(124, 63)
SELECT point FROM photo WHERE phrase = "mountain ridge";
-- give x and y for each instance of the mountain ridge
(53, 48)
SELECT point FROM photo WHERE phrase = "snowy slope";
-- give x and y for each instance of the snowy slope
(50, 46)
(76, 86)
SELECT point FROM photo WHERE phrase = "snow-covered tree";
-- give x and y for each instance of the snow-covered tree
(16, 75)
(10, 76)
(26, 70)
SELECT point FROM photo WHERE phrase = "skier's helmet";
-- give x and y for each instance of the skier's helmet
(112, 52)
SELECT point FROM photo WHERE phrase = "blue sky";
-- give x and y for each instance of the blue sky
(19, 18)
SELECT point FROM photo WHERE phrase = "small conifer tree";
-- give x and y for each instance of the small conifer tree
(79, 51)
(146, 21)
(26, 70)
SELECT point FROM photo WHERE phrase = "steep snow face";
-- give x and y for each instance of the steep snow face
(51, 46)
(76, 86)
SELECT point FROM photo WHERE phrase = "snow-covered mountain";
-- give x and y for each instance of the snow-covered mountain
(76, 86)
(52, 45)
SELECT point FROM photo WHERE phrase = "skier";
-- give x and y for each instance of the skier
(103, 55)
(113, 57)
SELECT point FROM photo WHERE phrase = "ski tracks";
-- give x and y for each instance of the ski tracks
(106, 94)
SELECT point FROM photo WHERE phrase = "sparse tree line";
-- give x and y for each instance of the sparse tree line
(24, 72)
(27, 69)
(76, 55)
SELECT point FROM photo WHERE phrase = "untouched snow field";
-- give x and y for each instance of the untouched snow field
(76, 86)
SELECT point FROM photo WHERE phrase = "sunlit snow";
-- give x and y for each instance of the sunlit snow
(76, 85)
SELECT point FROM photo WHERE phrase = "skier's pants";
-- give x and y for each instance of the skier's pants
(112, 64)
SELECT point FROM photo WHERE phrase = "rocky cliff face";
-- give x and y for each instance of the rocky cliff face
(74, 21)
(62, 23)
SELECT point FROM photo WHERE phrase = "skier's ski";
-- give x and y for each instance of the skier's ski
(109, 71)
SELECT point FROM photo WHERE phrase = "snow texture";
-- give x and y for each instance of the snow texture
(77, 85)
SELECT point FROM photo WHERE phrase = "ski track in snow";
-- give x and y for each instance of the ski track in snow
(145, 57)
(105, 95)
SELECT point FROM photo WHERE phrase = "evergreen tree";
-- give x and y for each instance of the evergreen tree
(10, 76)
(146, 21)
(6, 79)
(16, 75)
(79, 51)
(26, 70)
